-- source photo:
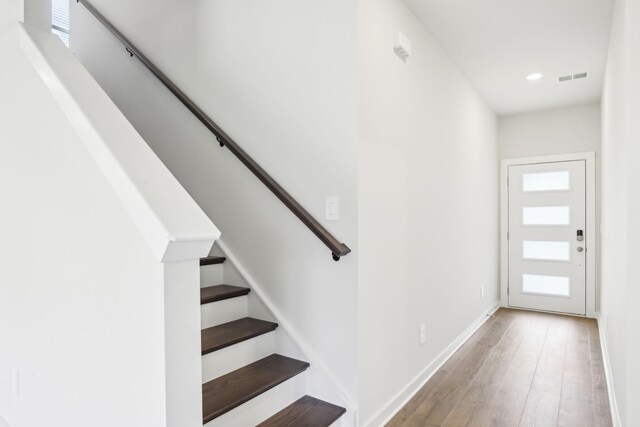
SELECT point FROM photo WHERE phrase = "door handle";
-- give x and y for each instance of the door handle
(580, 249)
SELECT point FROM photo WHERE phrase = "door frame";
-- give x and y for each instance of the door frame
(590, 185)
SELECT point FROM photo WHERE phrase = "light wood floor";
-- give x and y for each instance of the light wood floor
(520, 368)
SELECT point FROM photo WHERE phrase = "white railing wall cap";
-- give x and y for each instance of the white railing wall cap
(173, 224)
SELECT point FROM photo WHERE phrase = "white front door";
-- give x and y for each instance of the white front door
(547, 236)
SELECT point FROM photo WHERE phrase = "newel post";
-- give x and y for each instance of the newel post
(183, 357)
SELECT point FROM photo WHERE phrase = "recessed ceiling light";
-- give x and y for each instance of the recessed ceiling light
(533, 77)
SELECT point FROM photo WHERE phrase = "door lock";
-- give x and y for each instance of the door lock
(579, 236)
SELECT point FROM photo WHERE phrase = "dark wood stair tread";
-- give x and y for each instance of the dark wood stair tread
(307, 411)
(221, 336)
(235, 388)
(221, 292)
(212, 260)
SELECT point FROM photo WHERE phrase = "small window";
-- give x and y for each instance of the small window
(545, 215)
(546, 250)
(545, 181)
(546, 285)
(60, 19)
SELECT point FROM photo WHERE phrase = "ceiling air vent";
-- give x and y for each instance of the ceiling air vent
(572, 77)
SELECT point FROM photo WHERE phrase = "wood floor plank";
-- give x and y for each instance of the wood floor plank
(505, 400)
(443, 397)
(402, 417)
(599, 380)
(541, 409)
(576, 400)
(522, 368)
(473, 407)
(543, 401)
(435, 405)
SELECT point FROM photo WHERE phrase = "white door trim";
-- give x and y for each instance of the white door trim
(590, 163)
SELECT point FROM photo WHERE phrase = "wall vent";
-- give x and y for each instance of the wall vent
(572, 77)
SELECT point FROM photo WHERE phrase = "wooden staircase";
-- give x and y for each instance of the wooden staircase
(229, 391)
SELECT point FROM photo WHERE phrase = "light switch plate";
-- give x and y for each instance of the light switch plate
(332, 209)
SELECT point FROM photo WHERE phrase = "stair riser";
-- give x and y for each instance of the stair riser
(219, 312)
(211, 275)
(236, 356)
(342, 422)
(264, 406)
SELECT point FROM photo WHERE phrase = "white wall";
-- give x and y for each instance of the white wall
(621, 210)
(280, 78)
(99, 285)
(81, 291)
(632, 95)
(567, 130)
(428, 207)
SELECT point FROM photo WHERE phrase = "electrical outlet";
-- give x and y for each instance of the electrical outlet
(15, 389)
(423, 333)
(482, 292)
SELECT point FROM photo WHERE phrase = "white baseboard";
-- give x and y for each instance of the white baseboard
(288, 328)
(613, 403)
(402, 398)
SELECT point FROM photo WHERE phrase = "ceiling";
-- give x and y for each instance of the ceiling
(498, 43)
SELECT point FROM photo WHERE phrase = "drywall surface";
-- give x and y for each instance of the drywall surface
(621, 210)
(632, 94)
(428, 205)
(280, 78)
(81, 295)
(566, 130)
(8, 14)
